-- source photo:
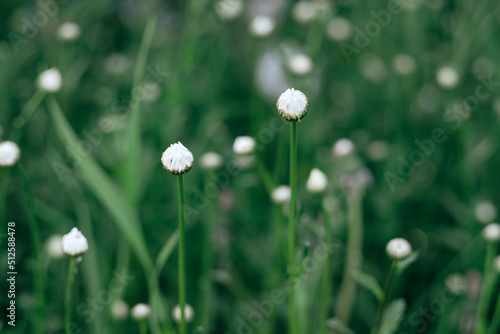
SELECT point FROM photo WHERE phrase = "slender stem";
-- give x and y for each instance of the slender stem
(291, 225)
(69, 288)
(27, 112)
(264, 174)
(387, 289)
(143, 328)
(182, 256)
(38, 275)
(486, 291)
(495, 322)
(326, 288)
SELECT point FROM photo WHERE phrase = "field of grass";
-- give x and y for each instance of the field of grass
(403, 120)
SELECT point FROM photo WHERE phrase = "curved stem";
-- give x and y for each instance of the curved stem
(182, 256)
(387, 289)
(69, 288)
(291, 225)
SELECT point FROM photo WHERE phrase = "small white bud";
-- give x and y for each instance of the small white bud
(404, 64)
(68, 31)
(398, 248)
(177, 159)
(292, 105)
(317, 181)
(119, 310)
(485, 212)
(339, 29)
(300, 64)
(281, 194)
(54, 247)
(74, 243)
(243, 145)
(9, 153)
(140, 311)
(491, 232)
(343, 147)
(210, 160)
(50, 80)
(262, 26)
(188, 313)
(447, 77)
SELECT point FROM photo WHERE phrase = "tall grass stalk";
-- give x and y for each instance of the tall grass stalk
(487, 289)
(495, 322)
(182, 256)
(291, 224)
(387, 290)
(69, 288)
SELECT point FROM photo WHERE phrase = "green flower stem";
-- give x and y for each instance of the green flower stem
(291, 225)
(69, 288)
(143, 327)
(387, 289)
(495, 322)
(35, 244)
(326, 284)
(264, 174)
(27, 112)
(182, 256)
(487, 289)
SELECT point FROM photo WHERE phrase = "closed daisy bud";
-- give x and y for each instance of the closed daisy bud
(317, 181)
(119, 310)
(210, 160)
(177, 159)
(491, 232)
(140, 311)
(447, 77)
(343, 147)
(262, 26)
(244, 145)
(281, 194)
(292, 105)
(53, 246)
(74, 243)
(50, 80)
(9, 153)
(300, 64)
(68, 31)
(188, 313)
(398, 248)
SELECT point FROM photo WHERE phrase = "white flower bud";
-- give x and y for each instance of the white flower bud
(243, 145)
(317, 181)
(300, 64)
(404, 64)
(119, 310)
(304, 11)
(188, 313)
(398, 248)
(54, 247)
(491, 232)
(9, 153)
(229, 9)
(177, 159)
(68, 31)
(50, 80)
(74, 243)
(262, 26)
(140, 311)
(447, 77)
(292, 105)
(485, 212)
(281, 194)
(339, 29)
(210, 160)
(343, 147)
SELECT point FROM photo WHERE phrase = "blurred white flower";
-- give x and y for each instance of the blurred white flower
(485, 212)
(74, 243)
(404, 64)
(281, 194)
(140, 311)
(177, 159)
(343, 147)
(243, 145)
(270, 75)
(339, 29)
(229, 9)
(262, 26)
(50, 80)
(456, 283)
(373, 68)
(292, 105)
(54, 247)
(378, 150)
(68, 31)
(119, 310)
(300, 64)
(447, 77)
(188, 313)
(398, 248)
(210, 160)
(117, 64)
(356, 182)
(304, 11)
(491, 232)
(9, 153)
(317, 181)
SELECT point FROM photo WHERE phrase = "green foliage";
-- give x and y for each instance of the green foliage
(392, 317)
(370, 283)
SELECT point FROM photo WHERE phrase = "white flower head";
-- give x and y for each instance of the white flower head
(398, 248)
(304, 11)
(281, 194)
(210, 160)
(177, 159)
(339, 29)
(343, 147)
(229, 9)
(9, 153)
(243, 145)
(317, 181)
(447, 77)
(292, 105)
(54, 247)
(404, 64)
(262, 26)
(485, 212)
(140, 311)
(68, 31)
(119, 310)
(74, 243)
(188, 313)
(491, 232)
(457, 283)
(50, 80)
(300, 64)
